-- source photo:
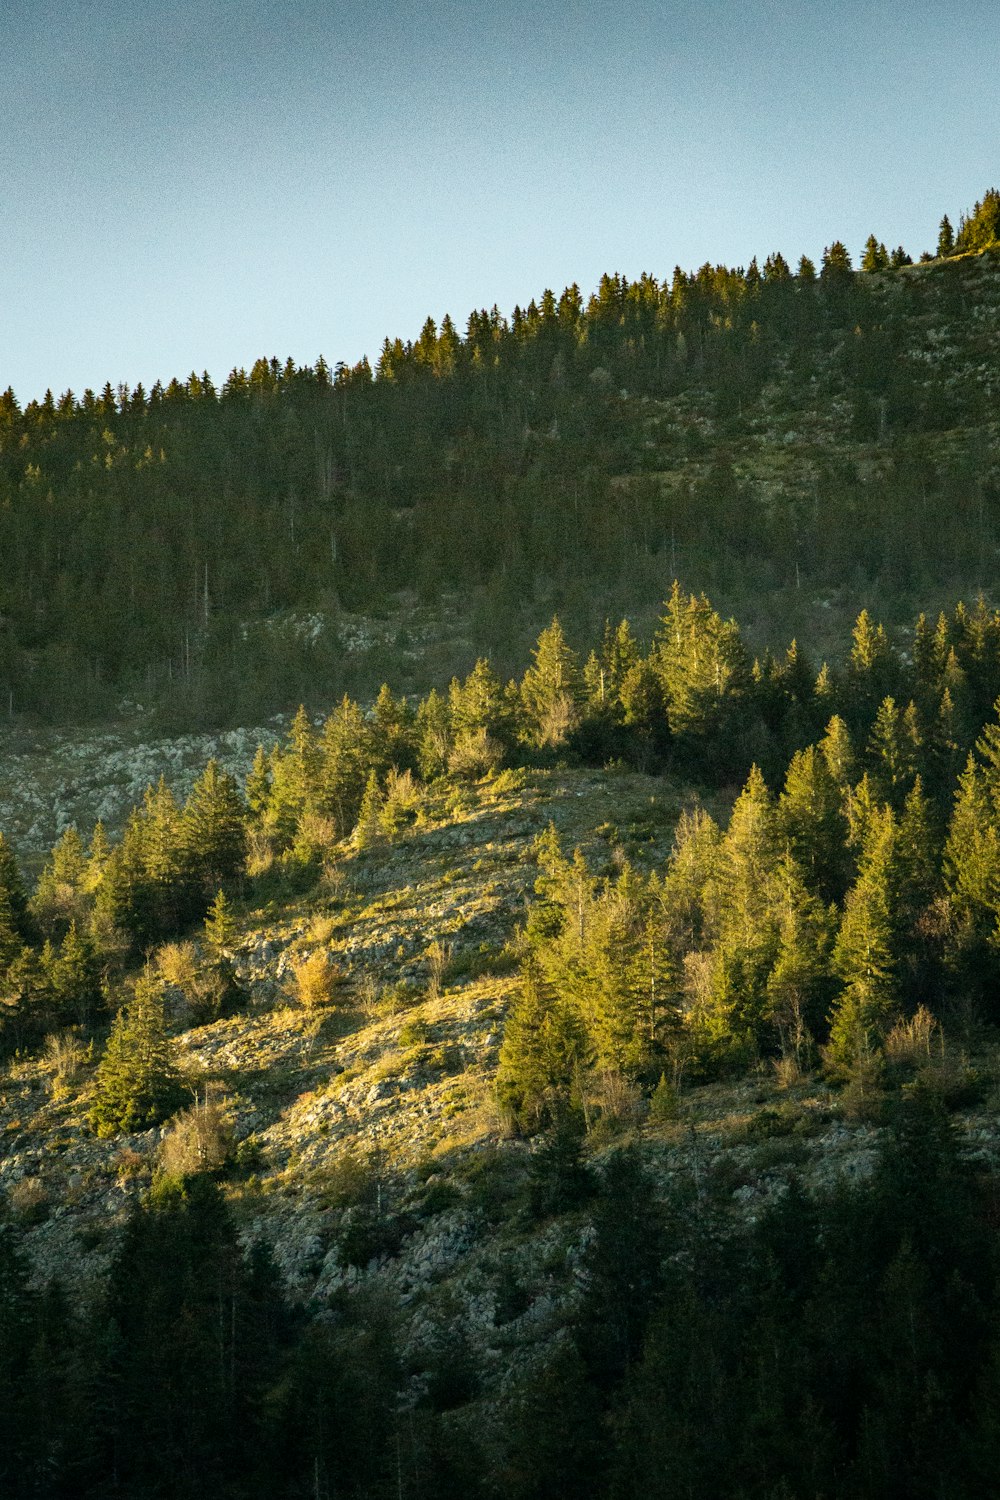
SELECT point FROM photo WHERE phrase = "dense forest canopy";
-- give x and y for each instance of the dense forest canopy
(751, 430)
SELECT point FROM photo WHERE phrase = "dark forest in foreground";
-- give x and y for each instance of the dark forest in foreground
(839, 1346)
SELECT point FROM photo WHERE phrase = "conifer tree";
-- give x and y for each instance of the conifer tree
(479, 717)
(971, 866)
(702, 665)
(98, 854)
(946, 238)
(875, 257)
(836, 263)
(220, 925)
(370, 828)
(693, 861)
(541, 1053)
(257, 791)
(743, 917)
(433, 735)
(11, 942)
(12, 891)
(812, 820)
(871, 668)
(798, 985)
(345, 759)
(73, 978)
(892, 751)
(294, 774)
(137, 1082)
(214, 831)
(619, 654)
(551, 690)
(58, 897)
(617, 974)
(392, 732)
(837, 750)
(866, 956)
(644, 714)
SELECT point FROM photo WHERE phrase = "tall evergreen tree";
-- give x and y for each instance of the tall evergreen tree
(137, 1082)
(551, 689)
(866, 955)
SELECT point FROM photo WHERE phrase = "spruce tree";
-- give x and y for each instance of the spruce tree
(798, 985)
(551, 689)
(213, 831)
(12, 892)
(220, 925)
(137, 1083)
(812, 820)
(866, 954)
(703, 669)
(433, 735)
(541, 1053)
(346, 751)
(58, 897)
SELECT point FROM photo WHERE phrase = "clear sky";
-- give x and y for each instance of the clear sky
(187, 185)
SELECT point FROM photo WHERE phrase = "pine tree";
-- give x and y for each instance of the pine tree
(836, 263)
(98, 855)
(616, 973)
(798, 985)
(433, 735)
(838, 752)
(980, 229)
(58, 897)
(742, 914)
(195, 1348)
(392, 732)
(541, 1053)
(866, 953)
(871, 668)
(892, 751)
(11, 942)
(692, 864)
(214, 831)
(971, 867)
(370, 828)
(811, 818)
(605, 672)
(257, 791)
(480, 721)
(875, 257)
(346, 756)
(622, 1270)
(137, 1083)
(12, 892)
(73, 978)
(551, 689)
(220, 925)
(294, 774)
(702, 665)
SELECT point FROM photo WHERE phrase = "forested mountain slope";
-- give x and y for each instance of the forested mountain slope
(576, 1075)
(776, 436)
(446, 1108)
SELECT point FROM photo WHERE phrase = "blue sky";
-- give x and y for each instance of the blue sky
(189, 185)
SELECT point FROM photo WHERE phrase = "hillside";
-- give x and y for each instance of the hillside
(362, 1139)
(568, 1066)
(800, 444)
